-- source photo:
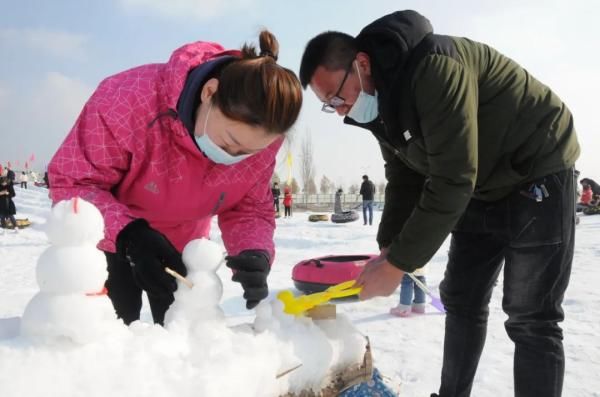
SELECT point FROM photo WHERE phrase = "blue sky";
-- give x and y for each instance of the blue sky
(54, 53)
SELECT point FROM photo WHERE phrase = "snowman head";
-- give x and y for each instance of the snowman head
(74, 222)
(202, 255)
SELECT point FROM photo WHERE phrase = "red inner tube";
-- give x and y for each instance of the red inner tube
(328, 270)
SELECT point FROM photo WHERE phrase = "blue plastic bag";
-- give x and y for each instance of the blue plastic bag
(373, 388)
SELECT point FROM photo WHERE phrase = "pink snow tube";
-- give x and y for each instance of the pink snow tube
(318, 274)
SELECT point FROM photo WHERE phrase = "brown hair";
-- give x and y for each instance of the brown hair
(257, 91)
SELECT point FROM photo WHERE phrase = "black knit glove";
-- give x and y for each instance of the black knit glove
(251, 268)
(149, 252)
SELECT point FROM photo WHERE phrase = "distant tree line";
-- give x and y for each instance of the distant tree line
(308, 175)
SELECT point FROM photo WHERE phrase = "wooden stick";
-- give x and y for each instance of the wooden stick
(322, 312)
(179, 277)
(287, 371)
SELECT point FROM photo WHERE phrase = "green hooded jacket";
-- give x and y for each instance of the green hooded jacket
(457, 120)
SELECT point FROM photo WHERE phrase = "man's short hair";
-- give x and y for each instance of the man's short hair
(365, 177)
(332, 50)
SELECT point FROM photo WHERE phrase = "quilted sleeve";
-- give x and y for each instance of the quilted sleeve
(251, 223)
(89, 163)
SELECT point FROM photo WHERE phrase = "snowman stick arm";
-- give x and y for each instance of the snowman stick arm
(179, 277)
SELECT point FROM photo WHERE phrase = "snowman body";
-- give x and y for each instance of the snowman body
(72, 303)
(200, 304)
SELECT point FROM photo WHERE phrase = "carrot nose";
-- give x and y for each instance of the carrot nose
(102, 292)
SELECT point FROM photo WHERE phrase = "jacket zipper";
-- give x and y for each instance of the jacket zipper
(218, 204)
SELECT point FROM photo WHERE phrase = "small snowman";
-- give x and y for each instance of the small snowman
(72, 302)
(197, 301)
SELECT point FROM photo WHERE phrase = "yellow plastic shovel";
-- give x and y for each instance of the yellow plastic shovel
(299, 305)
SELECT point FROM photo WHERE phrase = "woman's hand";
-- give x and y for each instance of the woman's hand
(251, 269)
(149, 252)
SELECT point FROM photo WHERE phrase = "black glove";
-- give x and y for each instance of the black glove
(149, 252)
(251, 268)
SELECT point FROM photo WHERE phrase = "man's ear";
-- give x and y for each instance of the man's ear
(364, 63)
(209, 89)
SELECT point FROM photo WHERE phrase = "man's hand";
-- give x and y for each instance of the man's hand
(381, 258)
(379, 277)
(251, 268)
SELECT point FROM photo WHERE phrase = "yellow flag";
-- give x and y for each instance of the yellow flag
(288, 161)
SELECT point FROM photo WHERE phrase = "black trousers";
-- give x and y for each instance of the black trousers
(126, 295)
(534, 239)
(276, 204)
(287, 211)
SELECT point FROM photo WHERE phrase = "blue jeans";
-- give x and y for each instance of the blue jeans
(406, 291)
(534, 240)
(368, 205)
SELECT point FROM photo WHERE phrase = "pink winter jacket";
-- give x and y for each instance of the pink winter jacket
(131, 161)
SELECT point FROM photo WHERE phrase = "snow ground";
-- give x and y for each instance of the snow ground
(407, 350)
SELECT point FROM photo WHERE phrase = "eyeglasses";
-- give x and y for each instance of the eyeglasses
(336, 101)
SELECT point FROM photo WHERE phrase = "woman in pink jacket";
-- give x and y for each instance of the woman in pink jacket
(162, 148)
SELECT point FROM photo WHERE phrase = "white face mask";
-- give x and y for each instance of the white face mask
(213, 151)
(365, 109)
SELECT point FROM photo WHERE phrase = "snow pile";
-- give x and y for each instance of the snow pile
(147, 360)
(71, 343)
(274, 343)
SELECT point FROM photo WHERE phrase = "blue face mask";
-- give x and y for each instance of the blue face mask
(365, 108)
(213, 151)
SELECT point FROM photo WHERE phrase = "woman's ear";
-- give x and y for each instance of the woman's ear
(209, 89)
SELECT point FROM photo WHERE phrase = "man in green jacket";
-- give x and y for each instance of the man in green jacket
(474, 146)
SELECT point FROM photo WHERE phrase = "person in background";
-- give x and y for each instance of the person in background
(276, 193)
(33, 176)
(162, 148)
(10, 174)
(7, 205)
(408, 289)
(23, 179)
(592, 184)
(586, 197)
(337, 204)
(367, 191)
(287, 202)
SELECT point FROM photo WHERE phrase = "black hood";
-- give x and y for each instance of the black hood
(189, 99)
(395, 44)
(390, 39)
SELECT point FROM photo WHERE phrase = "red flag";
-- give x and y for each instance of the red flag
(32, 158)
(26, 165)
(1, 170)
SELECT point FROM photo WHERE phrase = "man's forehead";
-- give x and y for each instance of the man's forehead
(324, 81)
